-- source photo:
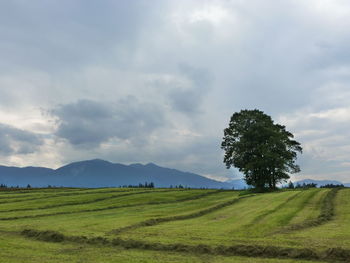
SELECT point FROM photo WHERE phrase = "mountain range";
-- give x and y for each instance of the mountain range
(100, 173)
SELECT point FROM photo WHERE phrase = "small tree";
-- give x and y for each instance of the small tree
(263, 151)
(291, 185)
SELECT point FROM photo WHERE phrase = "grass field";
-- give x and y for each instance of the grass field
(174, 225)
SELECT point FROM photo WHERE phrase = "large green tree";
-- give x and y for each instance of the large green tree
(263, 151)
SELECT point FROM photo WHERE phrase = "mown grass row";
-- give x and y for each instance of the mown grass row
(268, 250)
(268, 212)
(326, 214)
(156, 221)
(190, 198)
(229, 225)
(331, 254)
(120, 194)
(11, 191)
(22, 198)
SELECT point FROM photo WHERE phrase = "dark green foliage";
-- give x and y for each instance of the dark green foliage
(332, 186)
(263, 151)
(291, 185)
(140, 185)
(306, 186)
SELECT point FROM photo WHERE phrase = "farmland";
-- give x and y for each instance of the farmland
(174, 225)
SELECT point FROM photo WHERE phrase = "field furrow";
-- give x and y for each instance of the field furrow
(235, 250)
(78, 200)
(37, 196)
(101, 206)
(326, 214)
(283, 226)
(159, 220)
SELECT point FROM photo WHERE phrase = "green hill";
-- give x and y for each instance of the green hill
(174, 225)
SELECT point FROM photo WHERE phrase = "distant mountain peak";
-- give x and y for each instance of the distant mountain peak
(151, 165)
(97, 161)
(101, 173)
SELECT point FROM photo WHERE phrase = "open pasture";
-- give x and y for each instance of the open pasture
(174, 225)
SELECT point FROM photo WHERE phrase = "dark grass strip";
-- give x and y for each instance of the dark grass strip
(30, 198)
(114, 207)
(331, 254)
(262, 216)
(48, 194)
(120, 194)
(159, 220)
(23, 198)
(301, 207)
(10, 191)
(326, 214)
(44, 193)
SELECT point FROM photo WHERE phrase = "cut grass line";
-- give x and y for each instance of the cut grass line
(331, 254)
(114, 207)
(121, 194)
(43, 193)
(11, 191)
(70, 194)
(326, 214)
(301, 207)
(156, 221)
(73, 203)
(268, 212)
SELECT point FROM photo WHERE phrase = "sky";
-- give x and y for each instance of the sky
(157, 81)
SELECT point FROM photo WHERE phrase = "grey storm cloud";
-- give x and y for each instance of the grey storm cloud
(156, 81)
(52, 31)
(17, 141)
(90, 123)
(189, 99)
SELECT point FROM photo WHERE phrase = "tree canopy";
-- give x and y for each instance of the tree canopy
(263, 151)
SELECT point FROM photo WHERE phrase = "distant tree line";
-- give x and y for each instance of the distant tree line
(304, 185)
(312, 185)
(332, 186)
(140, 185)
(4, 186)
(178, 186)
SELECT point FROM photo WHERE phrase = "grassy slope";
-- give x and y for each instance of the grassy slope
(16, 249)
(251, 220)
(101, 222)
(255, 219)
(92, 200)
(335, 233)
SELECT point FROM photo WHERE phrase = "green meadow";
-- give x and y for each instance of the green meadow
(174, 225)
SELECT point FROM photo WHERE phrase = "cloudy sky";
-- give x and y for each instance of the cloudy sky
(157, 81)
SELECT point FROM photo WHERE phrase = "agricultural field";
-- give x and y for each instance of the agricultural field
(174, 225)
